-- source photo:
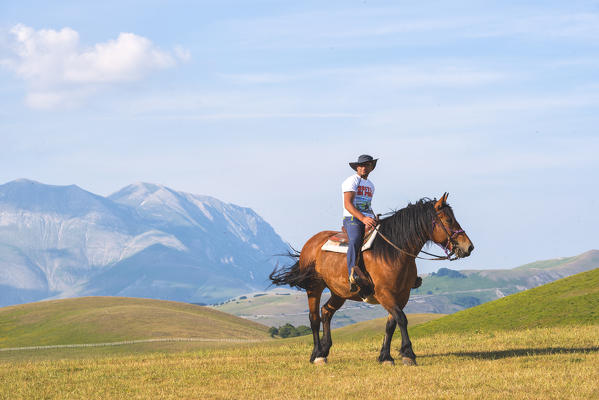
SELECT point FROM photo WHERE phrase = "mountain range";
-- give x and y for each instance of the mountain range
(447, 291)
(145, 240)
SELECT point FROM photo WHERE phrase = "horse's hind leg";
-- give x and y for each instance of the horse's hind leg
(313, 305)
(334, 303)
(385, 356)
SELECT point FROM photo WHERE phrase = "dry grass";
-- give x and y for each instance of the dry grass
(111, 319)
(543, 363)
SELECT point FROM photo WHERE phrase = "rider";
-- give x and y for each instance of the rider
(357, 212)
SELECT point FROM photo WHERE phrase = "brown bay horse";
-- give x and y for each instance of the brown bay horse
(390, 263)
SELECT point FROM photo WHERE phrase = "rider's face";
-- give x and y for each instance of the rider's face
(364, 169)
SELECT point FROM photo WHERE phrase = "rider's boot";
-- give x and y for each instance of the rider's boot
(353, 280)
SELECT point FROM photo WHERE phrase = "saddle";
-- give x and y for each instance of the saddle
(339, 241)
(341, 237)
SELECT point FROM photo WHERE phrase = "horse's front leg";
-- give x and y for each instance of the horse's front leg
(385, 356)
(406, 351)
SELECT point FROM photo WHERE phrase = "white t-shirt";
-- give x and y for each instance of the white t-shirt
(364, 189)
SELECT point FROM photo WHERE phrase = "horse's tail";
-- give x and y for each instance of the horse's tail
(294, 275)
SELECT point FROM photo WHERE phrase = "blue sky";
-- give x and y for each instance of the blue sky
(263, 103)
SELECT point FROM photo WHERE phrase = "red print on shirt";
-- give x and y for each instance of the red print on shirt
(364, 191)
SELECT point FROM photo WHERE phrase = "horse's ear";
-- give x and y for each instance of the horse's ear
(441, 202)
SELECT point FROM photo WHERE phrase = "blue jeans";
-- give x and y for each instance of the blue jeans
(355, 233)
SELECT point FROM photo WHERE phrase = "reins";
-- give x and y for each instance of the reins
(437, 258)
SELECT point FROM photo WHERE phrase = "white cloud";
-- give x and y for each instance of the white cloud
(58, 70)
(182, 53)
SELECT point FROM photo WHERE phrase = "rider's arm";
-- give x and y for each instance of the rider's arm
(348, 203)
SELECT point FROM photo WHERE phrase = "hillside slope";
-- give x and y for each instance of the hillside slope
(569, 301)
(448, 291)
(110, 319)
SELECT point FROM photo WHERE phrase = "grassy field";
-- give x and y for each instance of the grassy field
(476, 355)
(111, 319)
(543, 363)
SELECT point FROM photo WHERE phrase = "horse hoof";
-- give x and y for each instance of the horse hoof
(320, 360)
(409, 362)
(388, 362)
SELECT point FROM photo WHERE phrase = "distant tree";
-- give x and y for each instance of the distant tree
(273, 331)
(303, 330)
(287, 330)
(450, 273)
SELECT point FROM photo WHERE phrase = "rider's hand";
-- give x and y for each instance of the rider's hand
(369, 222)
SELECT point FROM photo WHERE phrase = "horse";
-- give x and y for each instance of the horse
(390, 262)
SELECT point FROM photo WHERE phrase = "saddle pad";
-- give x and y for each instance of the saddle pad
(339, 247)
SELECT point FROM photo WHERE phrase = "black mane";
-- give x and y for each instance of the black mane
(409, 229)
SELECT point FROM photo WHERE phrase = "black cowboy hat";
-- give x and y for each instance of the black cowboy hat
(363, 159)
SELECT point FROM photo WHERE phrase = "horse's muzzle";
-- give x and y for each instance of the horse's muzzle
(461, 253)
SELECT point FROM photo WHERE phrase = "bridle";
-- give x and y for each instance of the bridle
(450, 241)
(450, 237)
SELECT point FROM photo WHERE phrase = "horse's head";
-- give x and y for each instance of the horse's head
(447, 232)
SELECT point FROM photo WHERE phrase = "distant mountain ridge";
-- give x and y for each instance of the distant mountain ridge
(448, 291)
(145, 240)
(444, 292)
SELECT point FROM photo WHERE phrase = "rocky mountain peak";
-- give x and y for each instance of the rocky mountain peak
(145, 240)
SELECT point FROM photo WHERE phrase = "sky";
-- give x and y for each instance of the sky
(264, 103)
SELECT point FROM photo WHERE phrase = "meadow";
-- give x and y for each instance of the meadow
(548, 363)
(487, 355)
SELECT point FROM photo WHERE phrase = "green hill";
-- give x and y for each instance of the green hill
(376, 327)
(569, 301)
(111, 319)
(448, 291)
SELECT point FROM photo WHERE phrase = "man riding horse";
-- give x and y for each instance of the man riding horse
(389, 267)
(390, 263)
(358, 215)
